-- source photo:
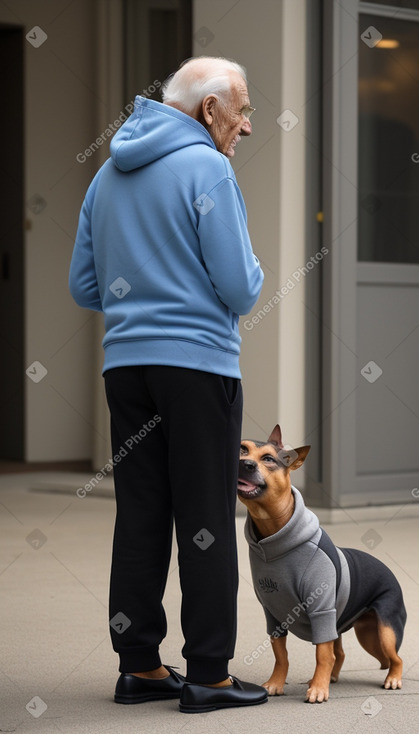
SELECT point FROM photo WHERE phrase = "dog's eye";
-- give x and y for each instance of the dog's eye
(269, 458)
(243, 450)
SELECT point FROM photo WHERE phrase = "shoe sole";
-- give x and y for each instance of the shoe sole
(144, 699)
(185, 709)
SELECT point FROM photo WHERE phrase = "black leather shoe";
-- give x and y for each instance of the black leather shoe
(196, 699)
(132, 689)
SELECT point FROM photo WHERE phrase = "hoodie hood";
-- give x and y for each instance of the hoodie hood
(302, 526)
(153, 131)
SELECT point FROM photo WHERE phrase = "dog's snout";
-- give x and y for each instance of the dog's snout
(249, 464)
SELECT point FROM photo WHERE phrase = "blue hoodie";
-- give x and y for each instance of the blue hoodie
(162, 247)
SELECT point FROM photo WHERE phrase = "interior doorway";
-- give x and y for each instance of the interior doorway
(157, 38)
(12, 373)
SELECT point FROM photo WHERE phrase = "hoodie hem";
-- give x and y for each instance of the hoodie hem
(171, 353)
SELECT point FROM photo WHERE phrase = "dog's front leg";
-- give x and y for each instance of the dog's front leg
(318, 690)
(275, 684)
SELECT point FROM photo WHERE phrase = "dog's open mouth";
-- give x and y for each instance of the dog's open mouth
(248, 490)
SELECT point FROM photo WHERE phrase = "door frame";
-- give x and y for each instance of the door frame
(340, 236)
(342, 486)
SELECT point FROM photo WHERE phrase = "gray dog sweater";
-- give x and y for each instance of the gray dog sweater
(295, 578)
(317, 591)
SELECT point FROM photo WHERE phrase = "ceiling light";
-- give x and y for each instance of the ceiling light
(388, 43)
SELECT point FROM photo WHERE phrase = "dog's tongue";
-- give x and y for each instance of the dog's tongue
(245, 486)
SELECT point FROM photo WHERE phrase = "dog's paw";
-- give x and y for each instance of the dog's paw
(317, 694)
(274, 688)
(392, 683)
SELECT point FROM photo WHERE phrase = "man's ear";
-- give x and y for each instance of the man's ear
(208, 108)
(302, 452)
(276, 437)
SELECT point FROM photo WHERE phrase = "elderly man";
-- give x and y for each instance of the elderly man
(162, 249)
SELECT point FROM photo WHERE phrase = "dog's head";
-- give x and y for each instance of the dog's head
(264, 468)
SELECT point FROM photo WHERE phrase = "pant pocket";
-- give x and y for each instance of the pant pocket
(232, 388)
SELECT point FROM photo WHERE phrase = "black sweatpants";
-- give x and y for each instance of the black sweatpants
(178, 434)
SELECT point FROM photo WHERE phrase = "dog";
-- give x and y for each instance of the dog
(305, 583)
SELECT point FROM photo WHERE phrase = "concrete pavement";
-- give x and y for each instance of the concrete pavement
(57, 667)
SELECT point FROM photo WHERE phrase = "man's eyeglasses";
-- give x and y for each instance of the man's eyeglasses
(247, 112)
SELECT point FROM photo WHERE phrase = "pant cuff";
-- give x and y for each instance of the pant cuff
(140, 660)
(207, 670)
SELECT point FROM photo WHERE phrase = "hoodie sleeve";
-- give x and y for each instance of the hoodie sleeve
(318, 597)
(273, 627)
(82, 280)
(233, 268)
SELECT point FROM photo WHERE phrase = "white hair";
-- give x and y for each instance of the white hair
(198, 77)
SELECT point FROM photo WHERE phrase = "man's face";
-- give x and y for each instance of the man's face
(228, 121)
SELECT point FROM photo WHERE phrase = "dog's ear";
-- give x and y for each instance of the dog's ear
(276, 437)
(302, 452)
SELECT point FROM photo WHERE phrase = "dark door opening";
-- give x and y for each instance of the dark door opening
(157, 38)
(12, 368)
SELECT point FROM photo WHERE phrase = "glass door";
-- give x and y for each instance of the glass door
(388, 137)
(371, 276)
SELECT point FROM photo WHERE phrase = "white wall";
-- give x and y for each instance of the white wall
(268, 38)
(60, 103)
